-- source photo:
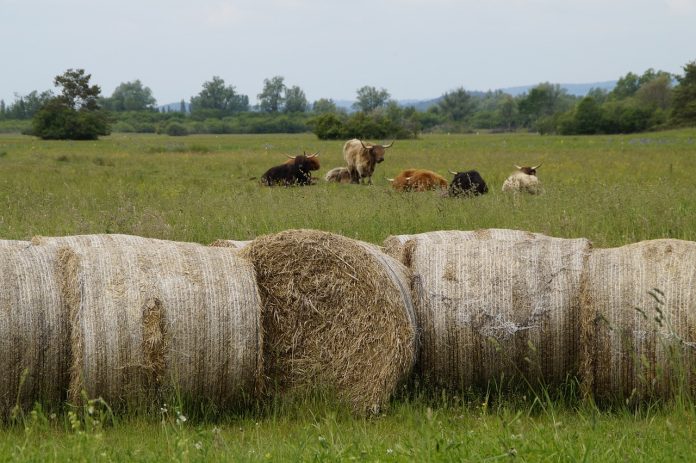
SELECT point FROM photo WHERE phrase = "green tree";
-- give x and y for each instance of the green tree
(588, 116)
(369, 99)
(271, 99)
(542, 102)
(24, 107)
(684, 96)
(75, 113)
(130, 96)
(324, 106)
(216, 96)
(657, 92)
(507, 112)
(456, 105)
(626, 86)
(295, 100)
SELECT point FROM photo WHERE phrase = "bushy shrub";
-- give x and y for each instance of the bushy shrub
(174, 129)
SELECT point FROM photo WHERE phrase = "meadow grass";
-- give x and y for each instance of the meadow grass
(613, 190)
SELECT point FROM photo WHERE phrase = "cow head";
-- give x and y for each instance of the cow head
(305, 162)
(528, 170)
(376, 151)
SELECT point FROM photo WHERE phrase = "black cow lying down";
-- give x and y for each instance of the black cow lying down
(469, 183)
(296, 171)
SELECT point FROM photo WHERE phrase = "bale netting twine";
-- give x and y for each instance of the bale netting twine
(34, 329)
(493, 305)
(337, 315)
(639, 321)
(152, 319)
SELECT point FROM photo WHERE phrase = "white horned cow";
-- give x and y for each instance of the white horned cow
(362, 158)
(523, 180)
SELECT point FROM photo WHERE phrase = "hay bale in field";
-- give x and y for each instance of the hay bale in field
(337, 314)
(493, 304)
(34, 328)
(639, 321)
(152, 318)
(229, 244)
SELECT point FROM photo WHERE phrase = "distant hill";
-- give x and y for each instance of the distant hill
(423, 105)
(174, 107)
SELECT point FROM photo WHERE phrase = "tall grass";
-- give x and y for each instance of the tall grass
(612, 190)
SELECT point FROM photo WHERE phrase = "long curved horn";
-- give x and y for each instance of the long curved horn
(390, 180)
(389, 145)
(313, 155)
(453, 173)
(291, 157)
(363, 145)
(518, 167)
(536, 167)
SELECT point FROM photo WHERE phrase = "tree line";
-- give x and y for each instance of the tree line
(650, 101)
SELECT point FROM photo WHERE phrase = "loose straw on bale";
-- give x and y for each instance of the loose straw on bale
(494, 304)
(230, 244)
(34, 329)
(639, 321)
(337, 315)
(151, 318)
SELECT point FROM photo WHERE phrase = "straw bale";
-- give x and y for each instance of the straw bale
(34, 329)
(494, 304)
(151, 318)
(639, 321)
(337, 315)
(229, 244)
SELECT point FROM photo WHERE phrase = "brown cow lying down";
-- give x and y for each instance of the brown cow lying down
(418, 180)
(295, 171)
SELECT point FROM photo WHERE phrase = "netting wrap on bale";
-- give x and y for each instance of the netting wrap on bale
(151, 318)
(337, 315)
(34, 329)
(639, 321)
(494, 304)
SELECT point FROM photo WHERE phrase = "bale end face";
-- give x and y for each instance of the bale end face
(332, 316)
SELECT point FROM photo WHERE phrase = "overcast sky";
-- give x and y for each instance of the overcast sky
(416, 49)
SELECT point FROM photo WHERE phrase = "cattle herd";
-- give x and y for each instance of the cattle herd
(362, 157)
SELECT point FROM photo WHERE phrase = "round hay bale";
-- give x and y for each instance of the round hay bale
(639, 321)
(337, 315)
(34, 328)
(494, 304)
(229, 244)
(153, 318)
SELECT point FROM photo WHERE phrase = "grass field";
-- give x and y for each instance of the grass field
(611, 189)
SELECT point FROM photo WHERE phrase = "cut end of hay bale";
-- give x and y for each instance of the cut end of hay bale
(333, 316)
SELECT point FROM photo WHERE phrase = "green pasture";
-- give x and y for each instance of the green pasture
(613, 190)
